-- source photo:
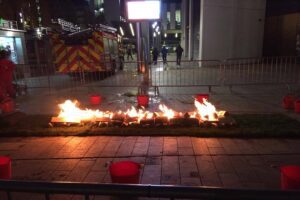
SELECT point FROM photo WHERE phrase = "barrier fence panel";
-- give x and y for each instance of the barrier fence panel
(267, 70)
(45, 76)
(196, 73)
(188, 73)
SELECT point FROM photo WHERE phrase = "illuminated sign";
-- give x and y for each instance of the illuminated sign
(143, 10)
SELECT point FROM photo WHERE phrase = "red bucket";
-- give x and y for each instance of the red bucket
(290, 177)
(5, 167)
(288, 102)
(95, 99)
(297, 106)
(7, 106)
(125, 172)
(200, 97)
(143, 100)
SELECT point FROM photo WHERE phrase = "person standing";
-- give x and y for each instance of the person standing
(121, 57)
(179, 51)
(129, 52)
(164, 52)
(155, 55)
(6, 76)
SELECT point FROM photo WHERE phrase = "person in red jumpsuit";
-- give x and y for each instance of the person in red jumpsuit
(6, 76)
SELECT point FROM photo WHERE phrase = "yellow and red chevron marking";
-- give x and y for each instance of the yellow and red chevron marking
(96, 43)
(80, 57)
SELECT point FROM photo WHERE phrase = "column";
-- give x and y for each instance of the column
(201, 30)
(191, 29)
(184, 33)
(172, 16)
(164, 16)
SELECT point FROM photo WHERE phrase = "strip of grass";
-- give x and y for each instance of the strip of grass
(248, 125)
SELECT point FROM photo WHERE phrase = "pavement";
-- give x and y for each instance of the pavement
(189, 161)
(220, 162)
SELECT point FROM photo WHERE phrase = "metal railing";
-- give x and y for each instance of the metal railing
(9, 24)
(124, 191)
(196, 73)
(266, 70)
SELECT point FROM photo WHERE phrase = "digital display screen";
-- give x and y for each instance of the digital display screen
(143, 10)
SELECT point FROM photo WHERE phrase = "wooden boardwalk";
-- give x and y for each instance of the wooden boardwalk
(232, 163)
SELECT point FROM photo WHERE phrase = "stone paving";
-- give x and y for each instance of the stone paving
(220, 162)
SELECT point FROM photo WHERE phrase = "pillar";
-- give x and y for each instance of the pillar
(184, 32)
(172, 16)
(191, 30)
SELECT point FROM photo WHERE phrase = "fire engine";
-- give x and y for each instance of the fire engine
(84, 52)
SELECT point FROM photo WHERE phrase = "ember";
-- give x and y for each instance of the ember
(205, 112)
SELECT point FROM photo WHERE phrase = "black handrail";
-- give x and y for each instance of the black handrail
(144, 190)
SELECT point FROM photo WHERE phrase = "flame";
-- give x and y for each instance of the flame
(207, 111)
(166, 112)
(70, 112)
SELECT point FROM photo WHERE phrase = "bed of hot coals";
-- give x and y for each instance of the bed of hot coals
(204, 115)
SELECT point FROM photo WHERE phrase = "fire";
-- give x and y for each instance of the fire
(207, 111)
(166, 112)
(71, 113)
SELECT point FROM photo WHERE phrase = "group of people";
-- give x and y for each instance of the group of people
(6, 76)
(164, 53)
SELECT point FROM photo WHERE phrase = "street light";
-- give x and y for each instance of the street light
(166, 35)
(176, 35)
(154, 34)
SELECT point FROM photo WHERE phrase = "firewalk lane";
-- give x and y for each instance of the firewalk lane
(238, 163)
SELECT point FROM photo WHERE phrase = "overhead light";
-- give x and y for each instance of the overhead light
(121, 31)
(131, 29)
(157, 29)
(154, 24)
(158, 33)
(154, 34)
(101, 9)
(166, 35)
(176, 35)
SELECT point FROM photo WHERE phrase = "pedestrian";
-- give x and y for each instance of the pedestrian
(164, 52)
(6, 76)
(129, 52)
(121, 57)
(155, 55)
(179, 51)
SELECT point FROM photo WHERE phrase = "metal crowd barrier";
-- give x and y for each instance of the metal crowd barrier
(124, 191)
(196, 73)
(266, 70)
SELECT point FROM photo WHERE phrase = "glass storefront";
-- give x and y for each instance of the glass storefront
(11, 44)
